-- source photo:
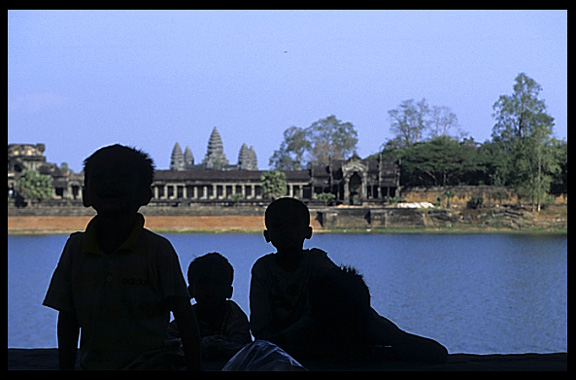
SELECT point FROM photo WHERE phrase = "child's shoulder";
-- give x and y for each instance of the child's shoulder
(155, 240)
(264, 260)
(234, 308)
(317, 252)
(319, 259)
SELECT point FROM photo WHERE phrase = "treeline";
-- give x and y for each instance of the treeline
(522, 154)
(432, 149)
(443, 161)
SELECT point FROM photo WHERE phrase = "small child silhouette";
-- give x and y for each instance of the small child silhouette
(224, 327)
(346, 326)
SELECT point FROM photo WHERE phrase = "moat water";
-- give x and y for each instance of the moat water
(474, 293)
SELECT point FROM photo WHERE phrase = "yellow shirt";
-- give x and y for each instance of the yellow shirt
(120, 298)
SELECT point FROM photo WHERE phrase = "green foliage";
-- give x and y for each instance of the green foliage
(236, 197)
(273, 184)
(324, 139)
(522, 153)
(523, 132)
(290, 156)
(34, 185)
(440, 162)
(326, 197)
(475, 202)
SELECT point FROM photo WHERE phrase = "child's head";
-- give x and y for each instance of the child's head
(210, 279)
(117, 179)
(287, 224)
(340, 302)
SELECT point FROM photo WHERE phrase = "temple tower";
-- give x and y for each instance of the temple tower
(247, 158)
(177, 158)
(188, 158)
(215, 157)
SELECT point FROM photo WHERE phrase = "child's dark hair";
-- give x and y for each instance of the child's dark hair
(341, 289)
(285, 203)
(135, 158)
(340, 306)
(213, 259)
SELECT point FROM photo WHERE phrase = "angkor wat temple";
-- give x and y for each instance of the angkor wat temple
(352, 181)
(215, 157)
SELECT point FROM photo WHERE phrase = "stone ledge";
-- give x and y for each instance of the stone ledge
(47, 359)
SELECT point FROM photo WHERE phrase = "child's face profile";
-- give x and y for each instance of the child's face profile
(113, 188)
(287, 231)
(210, 288)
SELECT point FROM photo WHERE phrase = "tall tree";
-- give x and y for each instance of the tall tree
(34, 185)
(409, 121)
(290, 156)
(324, 139)
(444, 122)
(413, 121)
(523, 130)
(331, 138)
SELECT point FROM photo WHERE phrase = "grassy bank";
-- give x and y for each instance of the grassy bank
(38, 230)
(549, 221)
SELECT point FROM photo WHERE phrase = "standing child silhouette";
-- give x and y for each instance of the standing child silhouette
(117, 282)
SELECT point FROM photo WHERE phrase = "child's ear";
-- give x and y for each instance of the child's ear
(230, 291)
(85, 200)
(308, 233)
(266, 237)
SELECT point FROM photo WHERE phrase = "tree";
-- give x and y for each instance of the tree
(442, 122)
(523, 131)
(273, 184)
(324, 139)
(331, 138)
(290, 156)
(34, 185)
(440, 162)
(521, 114)
(409, 122)
(326, 197)
(412, 121)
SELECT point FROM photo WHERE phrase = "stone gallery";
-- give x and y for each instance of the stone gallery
(352, 181)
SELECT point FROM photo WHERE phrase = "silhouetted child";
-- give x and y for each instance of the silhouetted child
(117, 282)
(279, 284)
(224, 327)
(346, 326)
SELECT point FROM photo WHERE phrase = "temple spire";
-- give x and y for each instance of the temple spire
(188, 158)
(215, 157)
(177, 158)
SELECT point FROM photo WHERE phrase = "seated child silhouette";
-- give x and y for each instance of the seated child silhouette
(279, 309)
(117, 282)
(224, 327)
(346, 326)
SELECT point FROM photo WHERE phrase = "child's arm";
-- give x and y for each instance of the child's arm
(406, 346)
(68, 331)
(188, 326)
(260, 306)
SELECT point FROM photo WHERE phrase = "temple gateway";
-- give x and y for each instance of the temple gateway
(353, 181)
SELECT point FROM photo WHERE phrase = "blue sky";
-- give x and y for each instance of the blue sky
(80, 80)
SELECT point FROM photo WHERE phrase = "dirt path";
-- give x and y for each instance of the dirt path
(68, 224)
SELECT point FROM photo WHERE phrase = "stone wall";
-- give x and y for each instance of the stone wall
(369, 218)
(492, 195)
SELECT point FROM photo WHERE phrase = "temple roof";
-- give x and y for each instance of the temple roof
(225, 175)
